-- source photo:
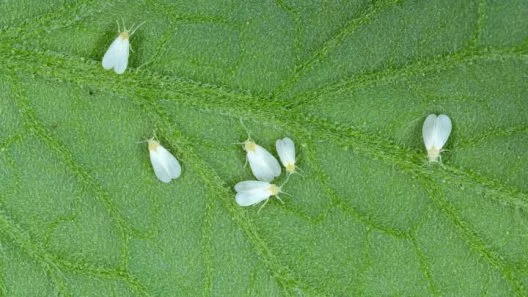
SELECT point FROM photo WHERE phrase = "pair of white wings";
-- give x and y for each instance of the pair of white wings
(263, 165)
(436, 130)
(252, 192)
(116, 56)
(166, 166)
(286, 151)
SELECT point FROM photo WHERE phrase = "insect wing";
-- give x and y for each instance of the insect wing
(263, 165)
(247, 198)
(442, 130)
(165, 165)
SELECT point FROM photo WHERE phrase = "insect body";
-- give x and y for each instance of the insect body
(166, 166)
(286, 151)
(263, 165)
(435, 131)
(252, 192)
(116, 56)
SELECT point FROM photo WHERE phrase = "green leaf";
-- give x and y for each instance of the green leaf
(82, 214)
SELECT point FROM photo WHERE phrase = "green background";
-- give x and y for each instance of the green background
(82, 214)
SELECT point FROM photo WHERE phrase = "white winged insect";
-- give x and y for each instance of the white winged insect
(286, 150)
(165, 165)
(436, 130)
(263, 165)
(252, 192)
(116, 56)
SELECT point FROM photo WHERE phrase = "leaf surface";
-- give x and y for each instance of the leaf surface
(82, 214)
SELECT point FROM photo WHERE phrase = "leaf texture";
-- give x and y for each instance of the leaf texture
(82, 214)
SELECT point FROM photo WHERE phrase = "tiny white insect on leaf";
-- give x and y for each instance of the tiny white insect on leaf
(435, 132)
(253, 192)
(166, 166)
(263, 165)
(286, 150)
(116, 57)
